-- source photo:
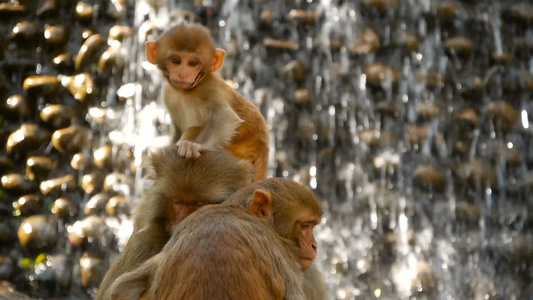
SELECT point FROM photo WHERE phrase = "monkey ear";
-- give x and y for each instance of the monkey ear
(262, 204)
(218, 59)
(151, 52)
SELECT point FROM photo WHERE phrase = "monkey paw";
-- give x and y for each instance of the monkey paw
(189, 149)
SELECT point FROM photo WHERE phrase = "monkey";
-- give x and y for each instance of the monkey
(206, 112)
(180, 186)
(258, 244)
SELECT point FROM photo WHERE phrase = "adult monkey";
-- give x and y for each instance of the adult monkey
(253, 246)
(180, 186)
(206, 112)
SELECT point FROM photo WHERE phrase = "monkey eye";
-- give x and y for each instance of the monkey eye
(176, 60)
(193, 63)
(305, 225)
(174, 200)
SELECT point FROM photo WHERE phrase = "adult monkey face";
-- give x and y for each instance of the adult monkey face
(185, 54)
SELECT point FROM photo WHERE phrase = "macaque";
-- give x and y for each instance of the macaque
(206, 113)
(257, 244)
(180, 186)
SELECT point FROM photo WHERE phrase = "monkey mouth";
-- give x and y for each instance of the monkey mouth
(180, 84)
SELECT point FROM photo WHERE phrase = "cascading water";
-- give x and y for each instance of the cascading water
(409, 119)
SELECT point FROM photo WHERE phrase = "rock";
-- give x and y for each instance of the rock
(295, 69)
(92, 271)
(92, 45)
(27, 138)
(60, 184)
(41, 84)
(56, 35)
(57, 115)
(102, 157)
(81, 86)
(379, 73)
(28, 205)
(96, 205)
(70, 139)
(18, 104)
(504, 114)
(38, 167)
(269, 42)
(38, 233)
(17, 183)
(64, 209)
(368, 42)
(117, 205)
(429, 177)
(92, 183)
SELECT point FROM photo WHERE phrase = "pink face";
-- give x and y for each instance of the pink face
(306, 242)
(184, 68)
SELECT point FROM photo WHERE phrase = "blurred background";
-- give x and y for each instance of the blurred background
(410, 120)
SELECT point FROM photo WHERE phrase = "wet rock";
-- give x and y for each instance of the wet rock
(86, 33)
(56, 35)
(57, 115)
(38, 233)
(28, 137)
(8, 291)
(368, 42)
(467, 211)
(26, 31)
(7, 268)
(128, 91)
(18, 104)
(65, 209)
(500, 57)
(303, 16)
(506, 152)
(96, 205)
(446, 11)
(117, 8)
(269, 42)
(48, 8)
(92, 183)
(416, 134)
(381, 4)
(111, 62)
(295, 69)
(117, 183)
(503, 113)
(431, 79)
(520, 14)
(91, 234)
(102, 157)
(386, 161)
(52, 272)
(70, 139)
(41, 84)
(301, 96)
(425, 281)
(377, 138)
(6, 164)
(38, 167)
(17, 183)
(28, 205)
(388, 109)
(80, 161)
(11, 10)
(429, 177)
(84, 12)
(98, 115)
(460, 45)
(64, 63)
(60, 184)
(92, 271)
(407, 41)
(427, 111)
(117, 205)
(379, 73)
(119, 33)
(476, 173)
(92, 45)
(267, 16)
(81, 86)
(469, 115)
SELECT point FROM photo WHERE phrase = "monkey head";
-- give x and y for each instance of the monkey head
(185, 53)
(294, 212)
(188, 184)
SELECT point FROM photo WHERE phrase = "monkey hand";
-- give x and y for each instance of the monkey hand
(189, 149)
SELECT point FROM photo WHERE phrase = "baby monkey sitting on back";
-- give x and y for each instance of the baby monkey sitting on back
(207, 114)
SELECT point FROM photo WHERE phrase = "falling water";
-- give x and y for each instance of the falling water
(409, 119)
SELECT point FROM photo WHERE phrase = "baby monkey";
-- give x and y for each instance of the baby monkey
(207, 114)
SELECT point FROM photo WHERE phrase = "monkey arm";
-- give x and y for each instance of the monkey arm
(141, 246)
(133, 285)
(220, 129)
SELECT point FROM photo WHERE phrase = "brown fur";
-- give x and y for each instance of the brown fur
(224, 252)
(226, 117)
(210, 179)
